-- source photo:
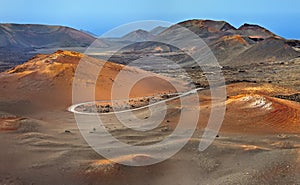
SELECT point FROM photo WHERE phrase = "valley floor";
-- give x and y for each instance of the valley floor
(46, 147)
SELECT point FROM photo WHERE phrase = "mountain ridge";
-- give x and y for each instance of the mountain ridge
(37, 35)
(228, 42)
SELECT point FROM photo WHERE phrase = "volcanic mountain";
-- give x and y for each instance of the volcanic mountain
(268, 50)
(46, 81)
(18, 41)
(36, 36)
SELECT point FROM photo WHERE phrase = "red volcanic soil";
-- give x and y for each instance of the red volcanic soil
(9, 124)
(252, 108)
(261, 114)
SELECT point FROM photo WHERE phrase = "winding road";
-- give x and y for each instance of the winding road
(73, 107)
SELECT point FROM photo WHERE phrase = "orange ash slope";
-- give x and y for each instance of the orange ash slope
(46, 81)
(252, 108)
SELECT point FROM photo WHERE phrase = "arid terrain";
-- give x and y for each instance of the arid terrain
(258, 142)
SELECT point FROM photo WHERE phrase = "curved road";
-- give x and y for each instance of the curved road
(73, 107)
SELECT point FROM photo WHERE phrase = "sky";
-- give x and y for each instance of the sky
(99, 16)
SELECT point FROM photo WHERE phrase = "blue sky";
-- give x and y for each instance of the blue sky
(99, 16)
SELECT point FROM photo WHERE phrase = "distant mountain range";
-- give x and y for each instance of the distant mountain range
(234, 46)
(246, 44)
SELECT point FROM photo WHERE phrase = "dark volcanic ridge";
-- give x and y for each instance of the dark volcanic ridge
(247, 44)
(18, 41)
